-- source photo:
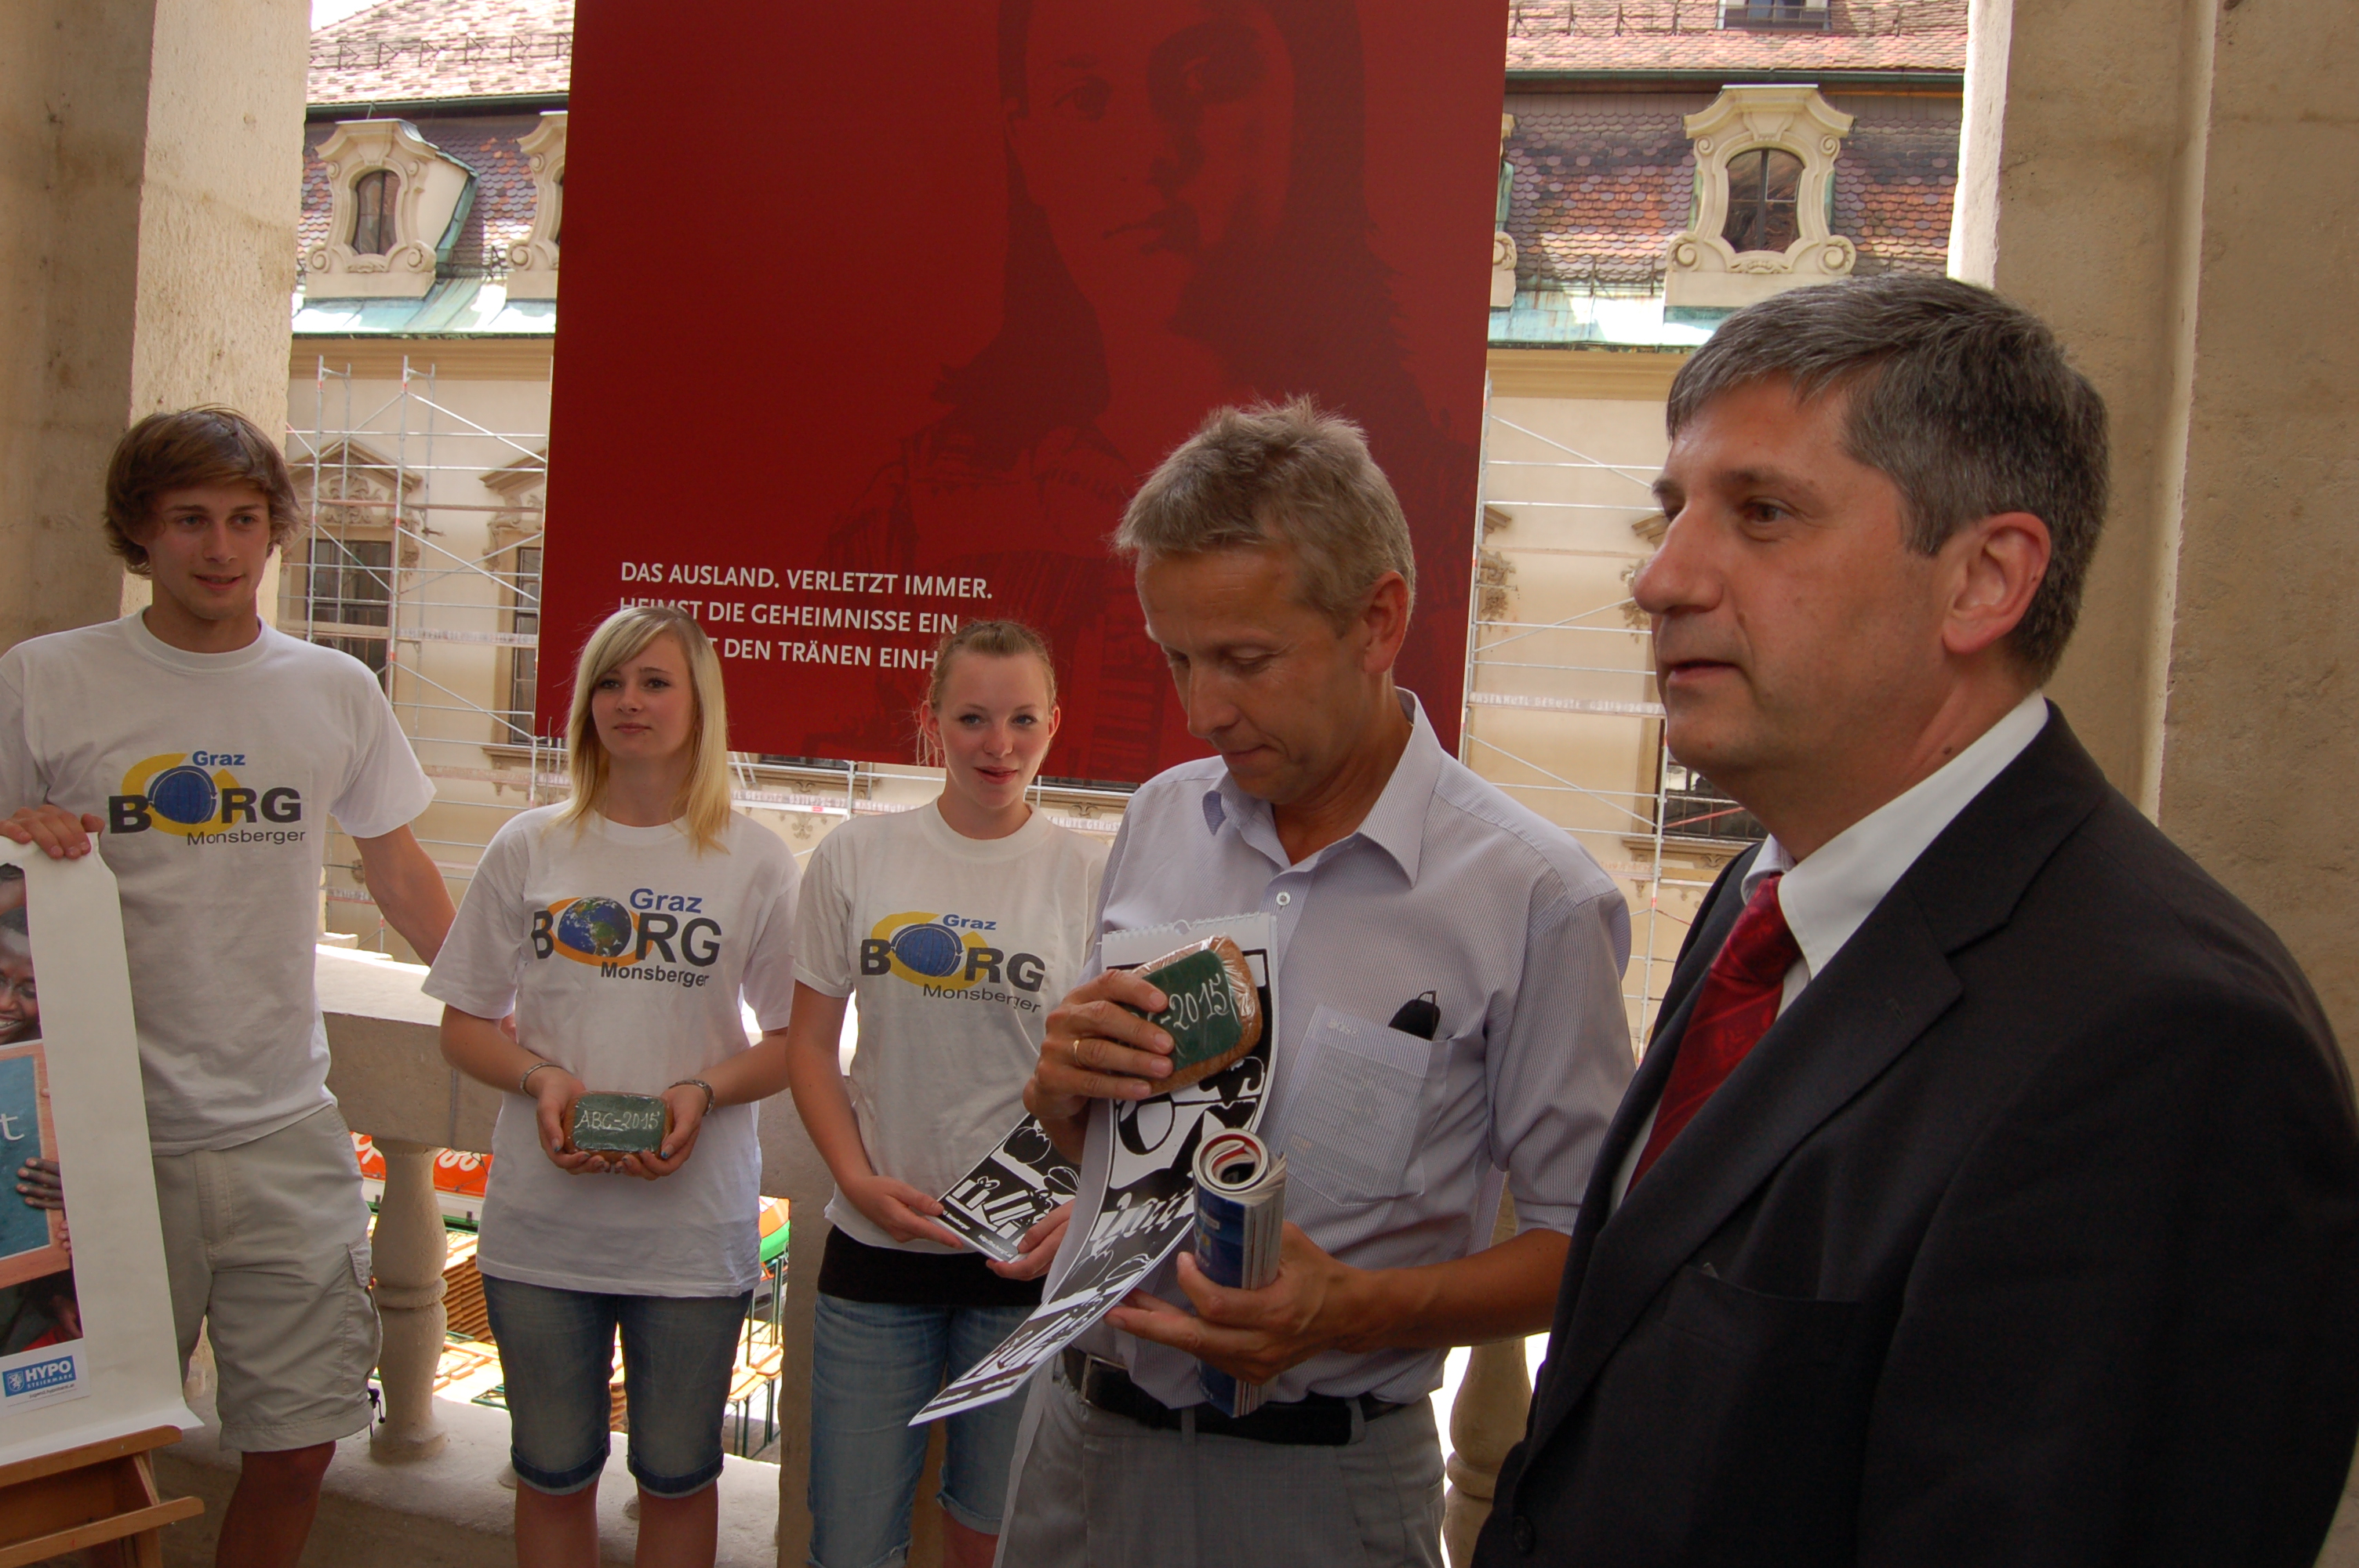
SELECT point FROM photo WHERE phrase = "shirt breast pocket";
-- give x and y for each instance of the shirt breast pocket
(1355, 1129)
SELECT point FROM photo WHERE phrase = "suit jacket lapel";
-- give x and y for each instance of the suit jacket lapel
(1886, 986)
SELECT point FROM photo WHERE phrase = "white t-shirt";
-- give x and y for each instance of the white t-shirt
(623, 952)
(958, 947)
(215, 774)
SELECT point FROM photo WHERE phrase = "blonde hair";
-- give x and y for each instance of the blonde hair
(622, 636)
(992, 639)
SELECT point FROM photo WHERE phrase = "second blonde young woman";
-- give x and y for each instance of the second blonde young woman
(958, 926)
(622, 927)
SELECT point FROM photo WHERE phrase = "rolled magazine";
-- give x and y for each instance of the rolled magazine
(1240, 1224)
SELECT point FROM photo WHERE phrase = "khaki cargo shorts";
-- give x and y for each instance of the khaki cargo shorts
(267, 1247)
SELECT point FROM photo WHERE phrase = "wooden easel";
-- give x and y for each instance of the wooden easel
(102, 1494)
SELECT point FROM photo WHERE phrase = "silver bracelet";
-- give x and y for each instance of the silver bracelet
(524, 1085)
(709, 1096)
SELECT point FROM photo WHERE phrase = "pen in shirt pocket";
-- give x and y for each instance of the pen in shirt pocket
(1421, 1016)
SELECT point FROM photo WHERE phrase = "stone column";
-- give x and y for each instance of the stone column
(151, 175)
(2176, 190)
(1485, 1420)
(410, 1247)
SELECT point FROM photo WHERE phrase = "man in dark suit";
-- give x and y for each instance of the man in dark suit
(1989, 1192)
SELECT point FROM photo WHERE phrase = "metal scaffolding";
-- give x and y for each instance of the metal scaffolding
(1595, 660)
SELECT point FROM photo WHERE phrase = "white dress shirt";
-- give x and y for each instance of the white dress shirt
(1449, 887)
(1829, 895)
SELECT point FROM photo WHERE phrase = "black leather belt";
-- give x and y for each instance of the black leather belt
(1318, 1421)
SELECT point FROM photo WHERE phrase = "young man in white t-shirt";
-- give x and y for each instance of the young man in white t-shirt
(209, 750)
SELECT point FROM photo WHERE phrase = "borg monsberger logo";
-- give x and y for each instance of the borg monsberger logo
(619, 936)
(197, 796)
(945, 953)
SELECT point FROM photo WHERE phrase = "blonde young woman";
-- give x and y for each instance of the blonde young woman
(958, 925)
(622, 927)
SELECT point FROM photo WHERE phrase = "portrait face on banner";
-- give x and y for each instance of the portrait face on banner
(1106, 222)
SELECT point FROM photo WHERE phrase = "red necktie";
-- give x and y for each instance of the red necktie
(1739, 1003)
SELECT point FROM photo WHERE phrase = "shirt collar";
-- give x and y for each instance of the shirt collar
(1395, 823)
(1830, 895)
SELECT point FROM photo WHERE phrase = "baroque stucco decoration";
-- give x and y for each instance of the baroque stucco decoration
(522, 488)
(1704, 269)
(1503, 244)
(428, 209)
(532, 261)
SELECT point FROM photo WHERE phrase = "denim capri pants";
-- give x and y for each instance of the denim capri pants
(874, 1365)
(557, 1355)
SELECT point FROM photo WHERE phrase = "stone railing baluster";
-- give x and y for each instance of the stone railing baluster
(410, 1249)
(1485, 1420)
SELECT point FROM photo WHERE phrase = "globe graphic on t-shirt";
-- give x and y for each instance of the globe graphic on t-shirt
(595, 925)
(183, 795)
(933, 950)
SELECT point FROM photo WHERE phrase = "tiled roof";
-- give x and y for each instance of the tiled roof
(1603, 179)
(502, 210)
(410, 50)
(1894, 184)
(1686, 36)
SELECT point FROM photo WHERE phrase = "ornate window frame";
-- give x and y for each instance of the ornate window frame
(532, 261)
(436, 191)
(1503, 244)
(1703, 270)
(519, 526)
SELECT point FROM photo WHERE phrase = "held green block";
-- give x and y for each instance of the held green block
(619, 1124)
(1212, 1017)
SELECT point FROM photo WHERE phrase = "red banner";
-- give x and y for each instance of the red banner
(874, 318)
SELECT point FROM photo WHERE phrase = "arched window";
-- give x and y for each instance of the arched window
(1761, 186)
(373, 197)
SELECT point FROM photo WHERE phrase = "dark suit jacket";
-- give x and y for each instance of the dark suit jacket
(2028, 1233)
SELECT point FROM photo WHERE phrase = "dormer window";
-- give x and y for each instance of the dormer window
(1765, 175)
(395, 204)
(373, 199)
(1763, 185)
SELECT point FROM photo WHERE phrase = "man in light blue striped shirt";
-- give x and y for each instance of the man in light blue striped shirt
(1277, 574)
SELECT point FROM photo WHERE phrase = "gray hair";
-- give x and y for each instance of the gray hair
(1963, 400)
(1279, 474)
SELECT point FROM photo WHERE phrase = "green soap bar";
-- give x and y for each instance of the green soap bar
(619, 1124)
(1203, 1016)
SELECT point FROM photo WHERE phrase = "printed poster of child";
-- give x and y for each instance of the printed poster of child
(37, 1303)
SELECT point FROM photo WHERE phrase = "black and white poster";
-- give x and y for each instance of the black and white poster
(1137, 1196)
(1011, 1189)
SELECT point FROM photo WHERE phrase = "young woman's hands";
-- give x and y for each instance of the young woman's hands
(901, 1209)
(687, 1103)
(554, 1090)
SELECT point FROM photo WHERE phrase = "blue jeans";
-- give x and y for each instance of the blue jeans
(873, 1368)
(557, 1353)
